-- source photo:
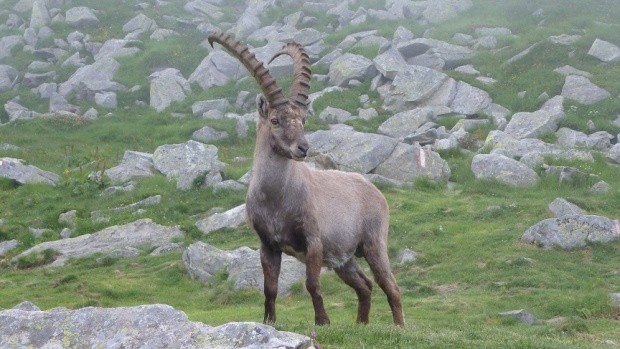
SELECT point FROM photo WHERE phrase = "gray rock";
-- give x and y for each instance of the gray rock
(162, 34)
(68, 218)
(8, 78)
(451, 55)
(350, 67)
(469, 100)
(565, 39)
(536, 124)
(106, 100)
(167, 86)
(203, 262)
(335, 115)
(414, 85)
(521, 315)
(144, 326)
(492, 31)
(410, 162)
(143, 232)
(572, 231)
(349, 150)
(140, 23)
(443, 10)
(95, 77)
(568, 70)
(81, 17)
(201, 107)
(7, 246)
(390, 63)
(566, 174)
(562, 208)
(232, 218)
(136, 207)
(407, 256)
(501, 142)
(16, 170)
(208, 134)
(134, 165)
(613, 154)
(605, 51)
(569, 138)
(228, 184)
(580, 89)
(33, 80)
(217, 69)
(167, 248)
(188, 162)
(16, 111)
(615, 299)
(203, 8)
(503, 169)
(406, 122)
(27, 306)
(40, 16)
(600, 187)
(74, 61)
(65, 233)
(9, 43)
(115, 48)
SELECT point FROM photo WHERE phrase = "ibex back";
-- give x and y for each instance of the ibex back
(323, 218)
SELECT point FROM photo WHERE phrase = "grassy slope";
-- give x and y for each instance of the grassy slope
(472, 265)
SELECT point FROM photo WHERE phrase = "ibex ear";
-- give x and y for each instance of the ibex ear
(261, 105)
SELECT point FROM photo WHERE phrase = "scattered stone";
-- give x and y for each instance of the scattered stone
(407, 256)
(167, 248)
(167, 86)
(232, 218)
(503, 169)
(615, 299)
(81, 17)
(565, 39)
(568, 70)
(144, 326)
(580, 89)
(8, 78)
(143, 232)
(335, 115)
(350, 67)
(103, 215)
(208, 134)
(242, 266)
(68, 218)
(134, 165)
(562, 208)
(410, 162)
(572, 232)
(613, 155)
(600, 187)
(521, 315)
(189, 163)
(16, 170)
(7, 246)
(605, 51)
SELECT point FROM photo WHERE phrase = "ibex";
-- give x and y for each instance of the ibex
(321, 217)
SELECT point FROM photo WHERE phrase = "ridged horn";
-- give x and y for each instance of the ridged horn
(301, 72)
(267, 83)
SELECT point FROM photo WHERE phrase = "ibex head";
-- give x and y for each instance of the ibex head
(283, 117)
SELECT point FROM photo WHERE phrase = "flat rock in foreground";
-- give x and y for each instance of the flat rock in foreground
(22, 173)
(144, 326)
(572, 231)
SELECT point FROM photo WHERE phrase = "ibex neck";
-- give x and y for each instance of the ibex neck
(271, 172)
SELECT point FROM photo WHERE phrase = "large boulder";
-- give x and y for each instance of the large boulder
(8, 78)
(134, 165)
(349, 150)
(16, 111)
(143, 232)
(410, 162)
(114, 48)
(605, 51)
(503, 169)
(40, 15)
(167, 86)
(449, 55)
(203, 262)
(573, 231)
(16, 170)
(582, 90)
(8, 43)
(406, 122)
(503, 143)
(390, 63)
(189, 163)
(350, 67)
(143, 326)
(443, 10)
(613, 154)
(538, 123)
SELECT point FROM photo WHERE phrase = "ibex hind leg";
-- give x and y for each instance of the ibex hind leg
(380, 265)
(353, 276)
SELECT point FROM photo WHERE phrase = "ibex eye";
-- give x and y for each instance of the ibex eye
(275, 121)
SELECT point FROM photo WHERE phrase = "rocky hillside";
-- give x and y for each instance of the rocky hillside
(399, 88)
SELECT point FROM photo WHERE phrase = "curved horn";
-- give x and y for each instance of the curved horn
(301, 72)
(267, 83)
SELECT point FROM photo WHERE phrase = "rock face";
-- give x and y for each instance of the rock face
(168, 86)
(139, 233)
(145, 326)
(573, 231)
(503, 169)
(187, 162)
(242, 266)
(16, 170)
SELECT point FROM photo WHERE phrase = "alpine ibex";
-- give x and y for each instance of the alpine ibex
(320, 217)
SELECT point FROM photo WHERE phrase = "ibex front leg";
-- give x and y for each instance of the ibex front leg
(270, 259)
(314, 261)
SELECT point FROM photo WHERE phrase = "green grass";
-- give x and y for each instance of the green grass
(472, 263)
